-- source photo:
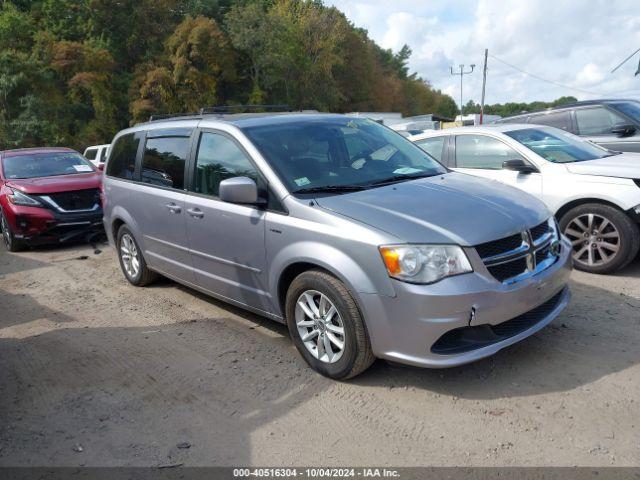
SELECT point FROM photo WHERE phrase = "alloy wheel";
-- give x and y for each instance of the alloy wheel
(320, 326)
(6, 234)
(595, 239)
(129, 255)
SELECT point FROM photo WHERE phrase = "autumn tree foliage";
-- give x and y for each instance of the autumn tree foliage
(74, 72)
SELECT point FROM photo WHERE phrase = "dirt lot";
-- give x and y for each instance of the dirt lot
(96, 372)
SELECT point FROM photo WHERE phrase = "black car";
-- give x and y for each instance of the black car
(613, 124)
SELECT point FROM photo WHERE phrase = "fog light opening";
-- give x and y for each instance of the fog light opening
(22, 223)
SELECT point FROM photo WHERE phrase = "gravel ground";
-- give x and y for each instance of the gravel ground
(96, 372)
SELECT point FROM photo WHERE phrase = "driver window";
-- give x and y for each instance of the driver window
(479, 151)
(220, 158)
(597, 121)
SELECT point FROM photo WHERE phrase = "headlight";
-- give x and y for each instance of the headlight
(18, 198)
(424, 263)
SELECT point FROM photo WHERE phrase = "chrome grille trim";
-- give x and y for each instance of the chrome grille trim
(529, 250)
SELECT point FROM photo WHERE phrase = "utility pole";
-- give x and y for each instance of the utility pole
(462, 73)
(484, 84)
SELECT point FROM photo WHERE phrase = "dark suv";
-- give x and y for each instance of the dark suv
(613, 124)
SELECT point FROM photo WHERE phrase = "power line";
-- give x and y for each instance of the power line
(625, 61)
(537, 77)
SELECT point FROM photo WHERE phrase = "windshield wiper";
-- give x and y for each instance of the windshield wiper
(330, 188)
(400, 178)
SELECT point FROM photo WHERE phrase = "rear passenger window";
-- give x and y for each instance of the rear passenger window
(122, 162)
(555, 119)
(433, 146)
(220, 158)
(90, 154)
(163, 161)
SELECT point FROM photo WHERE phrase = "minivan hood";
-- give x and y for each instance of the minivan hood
(450, 208)
(59, 183)
(623, 165)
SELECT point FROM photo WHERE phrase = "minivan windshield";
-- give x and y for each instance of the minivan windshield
(557, 146)
(339, 154)
(50, 164)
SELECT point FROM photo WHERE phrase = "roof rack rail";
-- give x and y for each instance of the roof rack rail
(222, 109)
(165, 116)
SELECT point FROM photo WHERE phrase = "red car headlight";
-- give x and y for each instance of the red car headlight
(18, 198)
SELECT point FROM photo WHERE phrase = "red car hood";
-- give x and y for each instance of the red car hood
(60, 183)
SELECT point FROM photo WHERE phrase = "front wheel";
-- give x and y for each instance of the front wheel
(603, 238)
(326, 326)
(8, 238)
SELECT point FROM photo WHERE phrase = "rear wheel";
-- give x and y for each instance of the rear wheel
(326, 326)
(131, 260)
(603, 238)
(8, 237)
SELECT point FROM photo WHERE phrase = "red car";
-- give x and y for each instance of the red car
(48, 195)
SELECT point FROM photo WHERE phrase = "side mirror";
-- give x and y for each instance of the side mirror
(623, 129)
(101, 167)
(239, 190)
(519, 165)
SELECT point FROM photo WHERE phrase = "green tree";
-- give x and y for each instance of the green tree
(513, 108)
(74, 72)
(201, 57)
(198, 56)
(251, 32)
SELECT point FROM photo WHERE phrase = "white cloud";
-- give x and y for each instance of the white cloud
(590, 74)
(575, 43)
(404, 27)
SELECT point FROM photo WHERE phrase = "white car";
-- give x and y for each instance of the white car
(97, 154)
(593, 192)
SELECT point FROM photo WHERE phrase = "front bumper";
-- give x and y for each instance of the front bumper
(40, 226)
(405, 328)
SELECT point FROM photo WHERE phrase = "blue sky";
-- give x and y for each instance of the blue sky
(574, 43)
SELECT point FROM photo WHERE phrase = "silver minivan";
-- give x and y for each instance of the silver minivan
(360, 241)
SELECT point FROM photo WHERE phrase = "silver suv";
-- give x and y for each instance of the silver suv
(357, 239)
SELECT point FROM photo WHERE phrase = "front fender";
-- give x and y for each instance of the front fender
(333, 260)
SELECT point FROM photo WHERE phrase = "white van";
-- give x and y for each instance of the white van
(97, 154)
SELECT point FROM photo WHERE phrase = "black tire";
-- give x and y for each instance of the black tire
(144, 275)
(357, 355)
(8, 238)
(628, 241)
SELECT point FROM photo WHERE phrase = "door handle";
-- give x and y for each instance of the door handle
(195, 212)
(173, 208)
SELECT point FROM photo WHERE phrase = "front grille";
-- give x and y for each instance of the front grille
(505, 271)
(77, 199)
(543, 254)
(465, 339)
(497, 247)
(539, 230)
(511, 258)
